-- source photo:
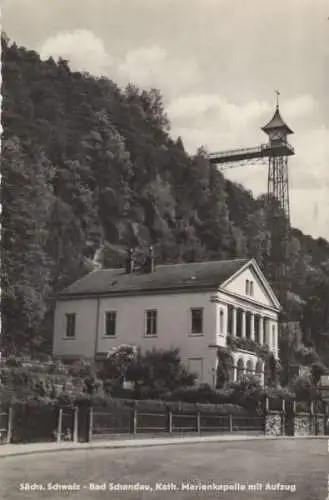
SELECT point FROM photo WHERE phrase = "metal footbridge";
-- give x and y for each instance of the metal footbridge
(234, 157)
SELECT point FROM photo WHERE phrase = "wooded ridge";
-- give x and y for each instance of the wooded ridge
(88, 170)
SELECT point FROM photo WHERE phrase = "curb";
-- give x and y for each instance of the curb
(148, 444)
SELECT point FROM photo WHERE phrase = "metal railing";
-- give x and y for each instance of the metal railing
(133, 422)
(234, 152)
(261, 151)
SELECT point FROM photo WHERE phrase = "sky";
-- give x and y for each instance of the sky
(218, 64)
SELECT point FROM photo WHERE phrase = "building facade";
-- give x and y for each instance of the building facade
(196, 307)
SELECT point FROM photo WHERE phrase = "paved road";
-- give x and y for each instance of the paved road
(301, 467)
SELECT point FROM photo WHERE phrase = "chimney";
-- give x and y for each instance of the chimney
(151, 260)
(130, 261)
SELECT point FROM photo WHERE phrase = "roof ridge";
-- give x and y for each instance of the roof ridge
(166, 276)
(203, 262)
(245, 259)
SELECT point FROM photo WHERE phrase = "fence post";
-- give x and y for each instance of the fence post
(267, 404)
(325, 417)
(198, 422)
(75, 424)
(9, 425)
(134, 421)
(59, 425)
(266, 409)
(91, 424)
(230, 423)
(283, 417)
(312, 423)
(170, 421)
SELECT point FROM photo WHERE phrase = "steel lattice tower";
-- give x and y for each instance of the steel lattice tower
(278, 212)
(276, 152)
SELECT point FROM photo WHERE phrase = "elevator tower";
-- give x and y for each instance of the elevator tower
(276, 153)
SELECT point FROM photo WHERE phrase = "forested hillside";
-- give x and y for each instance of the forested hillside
(89, 169)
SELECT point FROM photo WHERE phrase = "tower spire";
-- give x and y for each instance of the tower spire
(277, 99)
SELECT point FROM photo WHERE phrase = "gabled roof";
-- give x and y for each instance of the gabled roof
(171, 277)
(277, 122)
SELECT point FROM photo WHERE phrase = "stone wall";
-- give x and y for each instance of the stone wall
(273, 424)
(319, 425)
(303, 425)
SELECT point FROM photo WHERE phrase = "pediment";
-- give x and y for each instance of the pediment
(262, 292)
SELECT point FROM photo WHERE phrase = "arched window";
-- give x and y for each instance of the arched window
(250, 368)
(225, 369)
(239, 369)
(230, 370)
(259, 369)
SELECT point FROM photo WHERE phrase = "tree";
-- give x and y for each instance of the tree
(224, 367)
(25, 281)
(257, 234)
(272, 370)
(113, 371)
(157, 372)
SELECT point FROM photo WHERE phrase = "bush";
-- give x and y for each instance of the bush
(202, 394)
(82, 369)
(13, 362)
(22, 380)
(249, 393)
(317, 369)
(160, 406)
(304, 389)
(33, 421)
(279, 393)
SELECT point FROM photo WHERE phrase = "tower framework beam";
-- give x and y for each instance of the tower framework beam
(278, 215)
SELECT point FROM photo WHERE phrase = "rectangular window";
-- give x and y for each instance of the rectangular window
(230, 320)
(110, 323)
(247, 287)
(151, 323)
(221, 321)
(195, 365)
(197, 321)
(70, 325)
(251, 288)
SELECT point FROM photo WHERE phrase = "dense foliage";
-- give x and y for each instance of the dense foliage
(89, 169)
(154, 374)
(160, 381)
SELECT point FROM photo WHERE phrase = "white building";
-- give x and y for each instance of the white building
(193, 306)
